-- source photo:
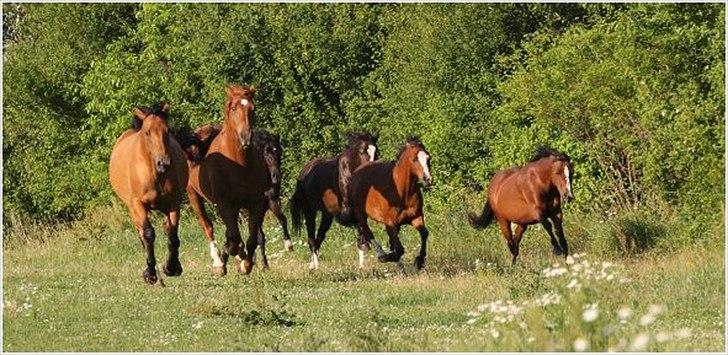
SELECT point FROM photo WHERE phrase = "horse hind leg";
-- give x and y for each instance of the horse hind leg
(324, 226)
(171, 226)
(505, 227)
(516, 241)
(233, 241)
(198, 207)
(395, 245)
(560, 233)
(261, 244)
(309, 217)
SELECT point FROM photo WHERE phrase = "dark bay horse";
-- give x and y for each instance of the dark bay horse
(322, 186)
(528, 195)
(269, 146)
(148, 171)
(389, 193)
(232, 176)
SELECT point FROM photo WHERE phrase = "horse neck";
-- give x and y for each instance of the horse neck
(543, 168)
(231, 146)
(403, 180)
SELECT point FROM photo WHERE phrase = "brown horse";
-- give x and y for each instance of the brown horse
(231, 176)
(389, 193)
(528, 195)
(148, 171)
(270, 146)
(322, 186)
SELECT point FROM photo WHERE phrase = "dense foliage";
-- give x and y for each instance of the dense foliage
(633, 93)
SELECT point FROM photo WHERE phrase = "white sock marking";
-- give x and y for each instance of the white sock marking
(361, 258)
(215, 254)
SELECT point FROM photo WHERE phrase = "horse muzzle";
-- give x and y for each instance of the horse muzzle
(567, 197)
(426, 181)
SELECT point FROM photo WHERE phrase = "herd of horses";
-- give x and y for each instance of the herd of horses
(237, 169)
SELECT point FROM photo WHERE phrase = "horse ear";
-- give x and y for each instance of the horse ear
(251, 90)
(230, 90)
(138, 113)
(165, 108)
(375, 138)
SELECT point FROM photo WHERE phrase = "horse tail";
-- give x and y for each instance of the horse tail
(297, 207)
(482, 221)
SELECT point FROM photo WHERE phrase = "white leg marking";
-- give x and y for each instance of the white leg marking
(288, 245)
(372, 150)
(361, 258)
(215, 254)
(422, 158)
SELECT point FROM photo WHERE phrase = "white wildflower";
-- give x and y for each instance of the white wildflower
(639, 343)
(494, 333)
(647, 319)
(662, 337)
(569, 260)
(591, 313)
(574, 283)
(580, 344)
(472, 320)
(624, 313)
(656, 309)
(684, 333)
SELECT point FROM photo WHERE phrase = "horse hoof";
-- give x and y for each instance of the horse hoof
(219, 270)
(419, 263)
(558, 252)
(245, 267)
(172, 268)
(288, 245)
(149, 276)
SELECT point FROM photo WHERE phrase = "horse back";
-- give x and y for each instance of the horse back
(374, 192)
(513, 195)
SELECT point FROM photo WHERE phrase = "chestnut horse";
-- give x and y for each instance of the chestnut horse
(389, 193)
(232, 176)
(148, 171)
(322, 186)
(269, 145)
(528, 195)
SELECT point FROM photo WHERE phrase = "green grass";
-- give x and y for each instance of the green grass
(78, 288)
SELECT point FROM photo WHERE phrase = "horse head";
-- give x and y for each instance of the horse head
(240, 112)
(560, 172)
(154, 131)
(415, 153)
(362, 147)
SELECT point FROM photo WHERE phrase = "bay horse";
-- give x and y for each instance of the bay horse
(148, 171)
(528, 195)
(270, 147)
(232, 176)
(389, 193)
(322, 186)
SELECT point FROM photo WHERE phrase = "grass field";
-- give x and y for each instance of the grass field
(78, 288)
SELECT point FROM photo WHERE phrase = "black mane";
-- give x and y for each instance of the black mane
(411, 140)
(136, 123)
(544, 152)
(354, 138)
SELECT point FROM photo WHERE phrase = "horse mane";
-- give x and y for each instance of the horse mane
(355, 138)
(136, 123)
(263, 138)
(235, 89)
(411, 140)
(544, 152)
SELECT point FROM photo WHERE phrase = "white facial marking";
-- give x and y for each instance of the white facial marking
(568, 181)
(371, 151)
(422, 158)
(361, 258)
(216, 261)
(243, 102)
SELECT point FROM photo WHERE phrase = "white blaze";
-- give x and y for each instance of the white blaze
(216, 261)
(371, 151)
(568, 181)
(243, 102)
(422, 158)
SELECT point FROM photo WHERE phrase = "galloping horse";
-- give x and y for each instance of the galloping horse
(270, 146)
(528, 195)
(389, 193)
(148, 171)
(322, 186)
(232, 176)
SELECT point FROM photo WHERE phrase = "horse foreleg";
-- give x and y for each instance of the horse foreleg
(261, 243)
(233, 242)
(395, 245)
(146, 233)
(255, 225)
(560, 233)
(362, 245)
(554, 243)
(324, 226)
(275, 206)
(171, 225)
(309, 217)
(419, 224)
(198, 207)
